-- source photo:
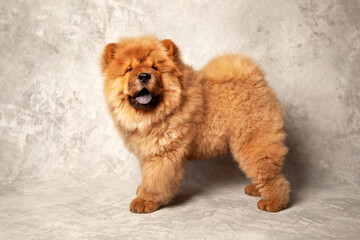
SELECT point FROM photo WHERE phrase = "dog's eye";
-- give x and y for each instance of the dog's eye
(130, 69)
(153, 67)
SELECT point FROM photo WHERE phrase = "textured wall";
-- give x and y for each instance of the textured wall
(53, 120)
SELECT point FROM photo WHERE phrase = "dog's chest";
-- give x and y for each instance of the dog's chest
(149, 143)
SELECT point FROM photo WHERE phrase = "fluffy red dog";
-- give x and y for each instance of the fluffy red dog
(167, 113)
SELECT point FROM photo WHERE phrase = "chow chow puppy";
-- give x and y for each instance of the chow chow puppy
(167, 113)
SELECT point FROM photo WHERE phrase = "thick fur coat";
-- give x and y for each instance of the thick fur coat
(167, 114)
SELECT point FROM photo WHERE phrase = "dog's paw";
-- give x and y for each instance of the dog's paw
(270, 206)
(139, 205)
(252, 190)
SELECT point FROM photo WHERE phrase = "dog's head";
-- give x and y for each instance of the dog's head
(143, 80)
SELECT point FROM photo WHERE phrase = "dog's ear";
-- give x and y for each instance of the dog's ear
(172, 49)
(108, 55)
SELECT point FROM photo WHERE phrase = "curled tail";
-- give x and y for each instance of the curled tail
(233, 67)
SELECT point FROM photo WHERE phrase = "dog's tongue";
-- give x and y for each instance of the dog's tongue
(144, 99)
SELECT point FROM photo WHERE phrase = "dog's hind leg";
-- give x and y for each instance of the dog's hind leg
(261, 159)
(252, 190)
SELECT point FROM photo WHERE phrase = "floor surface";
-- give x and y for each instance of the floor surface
(100, 210)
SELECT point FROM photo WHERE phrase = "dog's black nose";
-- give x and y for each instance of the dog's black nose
(144, 77)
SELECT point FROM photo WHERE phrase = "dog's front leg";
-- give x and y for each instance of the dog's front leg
(161, 177)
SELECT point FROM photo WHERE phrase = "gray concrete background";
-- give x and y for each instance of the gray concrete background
(53, 120)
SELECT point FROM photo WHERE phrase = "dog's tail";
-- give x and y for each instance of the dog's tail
(232, 66)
